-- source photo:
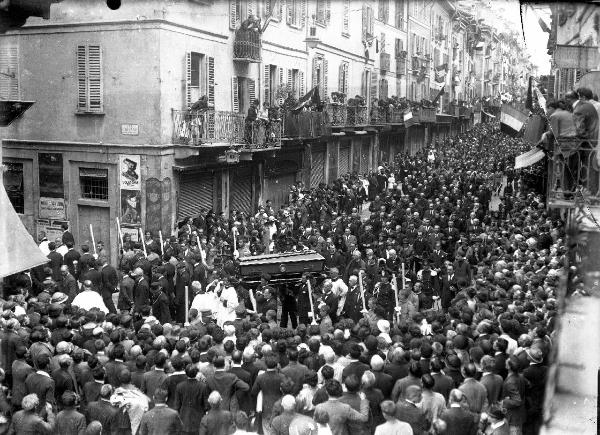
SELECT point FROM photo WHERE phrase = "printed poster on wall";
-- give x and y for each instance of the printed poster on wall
(153, 205)
(52, 208)
(130, 172)
(131, 207)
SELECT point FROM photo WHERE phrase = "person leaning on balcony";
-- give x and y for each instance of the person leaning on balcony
(561, 123)
(250, 118)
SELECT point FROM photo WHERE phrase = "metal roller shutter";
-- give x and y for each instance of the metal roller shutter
(317, 170)
(344, 159)
(195, 194)
(240, 189)
(364, 155)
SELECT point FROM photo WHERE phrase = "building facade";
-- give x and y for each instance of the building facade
(111, 146)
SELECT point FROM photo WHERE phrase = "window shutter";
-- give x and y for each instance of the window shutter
(301, 84)
(82, 95)
(95, 84)
(371, 21)
(233, 18)
(364, 22)
(314, 71)
(382, 46)
(346, 79)
(290, 11)
(290, 84)
(325, 74)
(279, 6)
(302, 13)
(235, 102)
(346, 15)
(280, 100)
(250, 8)
(9, 72)
(327, 11)
(251, 90)
(341, 78)
(374, 83)
(321, 11)
(188, 79)
(211, 81)
(268, 9)
(266, 83)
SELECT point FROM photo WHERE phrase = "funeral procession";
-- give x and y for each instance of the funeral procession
(299, 217)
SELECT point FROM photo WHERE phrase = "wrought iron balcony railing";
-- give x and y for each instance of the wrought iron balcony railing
(341, 115)
(427, 114)
(572, 176)
(221, 127)
(247, 46)
(306, 125)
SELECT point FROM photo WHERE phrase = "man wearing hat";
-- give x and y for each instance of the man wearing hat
(536, 374)
(68, 284)
(110, 283)
(496, 422)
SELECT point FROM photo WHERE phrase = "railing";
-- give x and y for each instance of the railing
(384, 61)
(427, 114)
(416, 64)
(572, 177)
(220, 127)
(464, 112)
(357, 115)
(306, 125)
(247, 46)
(401, 65)
(341, 115)
(337, 114)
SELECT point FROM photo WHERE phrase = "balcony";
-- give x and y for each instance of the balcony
(488, 75)
(306, 125)
(416, 64)
(401, 66)
(247, 46)
(571, 176)
(384, 61)
(341, 115)
(427, 114)
(224, 128)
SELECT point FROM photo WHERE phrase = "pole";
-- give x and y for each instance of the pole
(395, 284)
(161, 243)
(235, 249)
(362, 290)
(143, 242)
(93, 241)
(120, 232)
(312, 307)
(186, 304)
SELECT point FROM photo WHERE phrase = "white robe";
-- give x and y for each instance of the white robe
(206, 301)
(229, 301)
(89, 299)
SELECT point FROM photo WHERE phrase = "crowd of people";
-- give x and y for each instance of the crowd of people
(435, 313)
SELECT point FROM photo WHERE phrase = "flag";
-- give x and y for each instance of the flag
(529, 158)
(311, 96)
(529, 101)
(543, 25)
(440, 93)
(534, 129)
(540, 98)
(512, 120)
(409, 119)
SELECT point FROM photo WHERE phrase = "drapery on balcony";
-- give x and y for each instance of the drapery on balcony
(221, 127)
(571, 173)
(306, 124)
(247, 46)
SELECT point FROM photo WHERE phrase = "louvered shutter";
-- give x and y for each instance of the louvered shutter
(344, 159)
(195, 194)
(266, 83)
(251, 90)
(383, 50)
(235, 102)
(233, 18)
(314, 71)
(371, 21)
(82, 94)
(188, 80)
(240, 198)
(9, 72)
(251, 8)
(280, 7)
(268, 9)
(364, 22)
(210, 66)
(374, 82)
(290, 82)
(325, 73)
(321, 11)
(346, 15)
(290, 11)
(301, 84)
(280, 100)
(317, 170)
(347, 79)
(341, 78)
(302, 13)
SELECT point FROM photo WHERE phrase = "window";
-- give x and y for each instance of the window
(9, 72)
(343, 78)
(383, 88)
(384, 10)
(273, 9)
(296, 13)
(200, 78)
(293, 83)
(13, 183)
(94, 183)
(400, 20)
(323, 12)
(243, 92)
(367, 22)
(320, 73)
(89, 79)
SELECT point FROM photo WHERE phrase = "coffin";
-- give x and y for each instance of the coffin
(281, 265)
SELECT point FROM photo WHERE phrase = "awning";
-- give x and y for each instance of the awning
(18, 250)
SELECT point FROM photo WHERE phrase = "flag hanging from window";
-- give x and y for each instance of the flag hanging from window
(512, 120)
(311, 96)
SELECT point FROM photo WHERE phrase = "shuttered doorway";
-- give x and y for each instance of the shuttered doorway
(344, 163)
(195, 194)
(240, 189)
(317, 170)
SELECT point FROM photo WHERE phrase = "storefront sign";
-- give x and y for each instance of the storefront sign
(130, 129)
(52, 208)
(130, 172)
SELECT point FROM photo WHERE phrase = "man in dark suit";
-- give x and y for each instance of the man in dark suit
(459, 421)
(270, 385)
(383, 381)
(500, 357)
(191, 401)
(68, 284)
(10, 341)
(85, 261)
(141, 290)
(160, 419)
(173, 379)
(217, 421)
(91, 390)
(71, 259)
(56, 260)
(244, 398)
(490, 380)
(93, 275)
(40, 382)
(295, 371)
(67, 235)
(115, 365)
(408, 411)
(103, 411)
(110, 282)
(536, 374)
(153, 379)
(226, 383)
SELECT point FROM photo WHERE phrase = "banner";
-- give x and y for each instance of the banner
(409, 119)
(512, 120)
(529, 158)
